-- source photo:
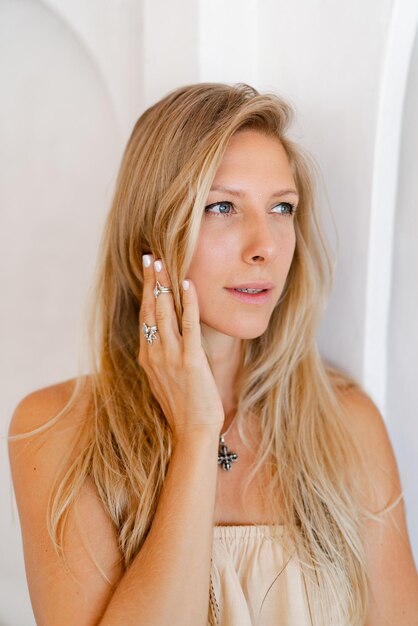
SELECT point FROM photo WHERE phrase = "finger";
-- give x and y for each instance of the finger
(147, 309)
(192, 340)
(165, 314)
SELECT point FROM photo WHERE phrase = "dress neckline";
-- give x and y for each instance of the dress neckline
(246, 525)
(247, 530)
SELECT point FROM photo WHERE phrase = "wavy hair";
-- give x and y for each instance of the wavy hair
(166, 172)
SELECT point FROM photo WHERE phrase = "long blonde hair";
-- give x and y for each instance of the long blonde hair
(164, 179)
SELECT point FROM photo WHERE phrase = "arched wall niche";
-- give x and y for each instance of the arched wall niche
(402, 344)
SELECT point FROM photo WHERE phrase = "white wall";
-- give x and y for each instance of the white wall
(75, 76)
(327, 57)
(71, 89)
(402, 388)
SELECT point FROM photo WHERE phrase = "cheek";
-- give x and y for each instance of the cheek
(287, 244)
(290, 248)
(210, 258)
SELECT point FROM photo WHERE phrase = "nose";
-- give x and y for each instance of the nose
(261, 240)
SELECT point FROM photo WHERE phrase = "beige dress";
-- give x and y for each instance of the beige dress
(256, 579)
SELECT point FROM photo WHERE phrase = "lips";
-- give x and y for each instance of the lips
(254, 285)
(250, 298)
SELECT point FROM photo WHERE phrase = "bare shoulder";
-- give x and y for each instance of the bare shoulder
(365, 419)
(50, 429)
(391, 569)
(38, 464)
(37, 407)
(367, 427)
(379, 472)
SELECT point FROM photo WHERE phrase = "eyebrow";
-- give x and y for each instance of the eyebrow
(240, 194)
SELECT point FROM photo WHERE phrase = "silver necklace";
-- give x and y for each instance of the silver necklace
(225, 456)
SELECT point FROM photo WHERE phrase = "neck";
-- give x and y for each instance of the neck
(225, 358)
(229, 418)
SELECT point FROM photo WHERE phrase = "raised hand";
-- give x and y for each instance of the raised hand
(176, 364)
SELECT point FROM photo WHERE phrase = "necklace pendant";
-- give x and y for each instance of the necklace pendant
(225, 457)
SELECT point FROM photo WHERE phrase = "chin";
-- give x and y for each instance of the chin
(249, 335)
(241, 331)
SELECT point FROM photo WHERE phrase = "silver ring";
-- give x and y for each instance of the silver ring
(149, 332)
(160, 289)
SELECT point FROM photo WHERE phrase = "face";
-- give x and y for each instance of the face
(247, 236)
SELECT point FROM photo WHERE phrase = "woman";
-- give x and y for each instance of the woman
(211, 467)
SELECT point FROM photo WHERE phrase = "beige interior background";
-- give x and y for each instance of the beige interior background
(75, 76)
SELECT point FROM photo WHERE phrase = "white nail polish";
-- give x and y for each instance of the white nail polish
(158, 266)
(146, 259)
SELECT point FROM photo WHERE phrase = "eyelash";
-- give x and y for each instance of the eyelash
(230, 204)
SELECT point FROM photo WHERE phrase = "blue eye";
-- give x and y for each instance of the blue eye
(223, 206)
(290, 209)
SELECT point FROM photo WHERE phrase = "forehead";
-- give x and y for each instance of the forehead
(253, 153)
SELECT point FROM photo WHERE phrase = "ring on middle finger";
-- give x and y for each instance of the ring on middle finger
(149, 332)
(160, 289)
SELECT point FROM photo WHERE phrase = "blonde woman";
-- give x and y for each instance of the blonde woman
(211, 468)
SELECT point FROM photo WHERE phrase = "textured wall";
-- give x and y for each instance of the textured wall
(75, 76)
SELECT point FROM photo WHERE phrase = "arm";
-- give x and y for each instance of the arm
(391, 569)
(168, 582)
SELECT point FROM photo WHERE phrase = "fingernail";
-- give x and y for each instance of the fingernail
(146, 259)
(185, 284)
(158, 266)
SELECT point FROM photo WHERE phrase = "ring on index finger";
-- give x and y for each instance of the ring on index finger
(160, 289)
